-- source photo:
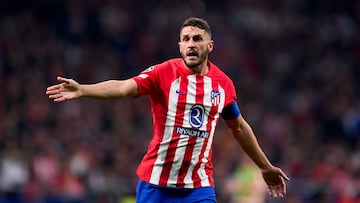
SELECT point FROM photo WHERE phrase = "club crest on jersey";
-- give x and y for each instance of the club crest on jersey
(149, 69)
(215, 97)
(143, 73)
(196, 116)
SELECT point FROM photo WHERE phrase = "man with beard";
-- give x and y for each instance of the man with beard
(188, 95)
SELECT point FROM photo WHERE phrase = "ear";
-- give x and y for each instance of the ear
(179, 44)
(211, 46)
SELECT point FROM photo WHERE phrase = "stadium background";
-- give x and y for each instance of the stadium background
(295, 65)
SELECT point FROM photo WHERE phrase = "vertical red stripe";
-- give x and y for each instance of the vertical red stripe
(181, 104)
(199, 98)
(213, 112)
(208, 166)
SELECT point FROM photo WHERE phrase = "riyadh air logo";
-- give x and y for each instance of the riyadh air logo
(215, 97)
(197, 116)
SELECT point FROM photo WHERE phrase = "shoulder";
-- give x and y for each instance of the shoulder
(171, 63)
(216, 72)
(169, 67)
(165, 65)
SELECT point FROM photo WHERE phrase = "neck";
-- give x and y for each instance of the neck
(201, 69)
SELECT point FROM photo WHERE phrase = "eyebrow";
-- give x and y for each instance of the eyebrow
(197, 35)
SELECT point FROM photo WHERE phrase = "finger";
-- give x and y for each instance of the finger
(55, 96)
(272, 191)
(278, 190)
(282, 188)
(51, 92)
(61, 79)
(53, 87)
(284, 175)
(58, 98)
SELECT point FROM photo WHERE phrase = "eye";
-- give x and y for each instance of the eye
(185, 38)
(197, 38)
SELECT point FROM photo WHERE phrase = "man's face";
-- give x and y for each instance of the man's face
(195, 44)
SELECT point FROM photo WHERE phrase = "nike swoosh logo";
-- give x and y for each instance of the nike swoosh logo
(180, 92)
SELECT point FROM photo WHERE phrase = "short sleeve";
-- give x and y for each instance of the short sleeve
(231, 109)
(230, 93)
(146, 81)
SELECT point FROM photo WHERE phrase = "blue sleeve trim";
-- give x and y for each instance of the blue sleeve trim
(230, 111)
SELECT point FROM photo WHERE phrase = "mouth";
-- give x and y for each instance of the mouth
(192, 54)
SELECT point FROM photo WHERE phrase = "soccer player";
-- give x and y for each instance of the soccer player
(188, 95)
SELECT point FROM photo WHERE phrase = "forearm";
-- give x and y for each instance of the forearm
(250, 145)
(273, 176)
(108, 89)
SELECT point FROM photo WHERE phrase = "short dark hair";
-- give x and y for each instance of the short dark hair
(197, 22)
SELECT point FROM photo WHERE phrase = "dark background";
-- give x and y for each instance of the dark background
(295, 65)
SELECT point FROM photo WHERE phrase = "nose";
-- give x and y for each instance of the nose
(191, 43)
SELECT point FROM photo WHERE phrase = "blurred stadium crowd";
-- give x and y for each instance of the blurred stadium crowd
(296, 66)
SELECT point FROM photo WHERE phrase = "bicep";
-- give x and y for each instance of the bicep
(235, 123)
(116, 88)
(238, 127)
(128, 87)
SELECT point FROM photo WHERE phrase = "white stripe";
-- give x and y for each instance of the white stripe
(180, 151)
(169, 127)
(178, 159)
(201, 172)
(190, 100)
(199, 142)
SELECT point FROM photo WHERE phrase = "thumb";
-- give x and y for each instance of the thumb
(282, 174)
(62, 79)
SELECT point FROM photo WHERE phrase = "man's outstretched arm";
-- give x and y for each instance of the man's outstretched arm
(273, 176)
(69, 89)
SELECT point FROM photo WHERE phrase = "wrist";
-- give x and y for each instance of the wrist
(80, 90)
(265, 166)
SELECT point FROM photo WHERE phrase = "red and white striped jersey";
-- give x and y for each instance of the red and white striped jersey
(185, 108)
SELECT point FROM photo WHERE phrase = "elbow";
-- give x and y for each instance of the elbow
(237, 132)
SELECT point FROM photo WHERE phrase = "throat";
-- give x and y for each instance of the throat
(200, 69)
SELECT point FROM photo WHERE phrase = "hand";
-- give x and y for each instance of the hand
(274, 178)
(66, 90)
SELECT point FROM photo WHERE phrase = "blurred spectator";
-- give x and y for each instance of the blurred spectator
(295, 65)
(14, 174)
(246, 183)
